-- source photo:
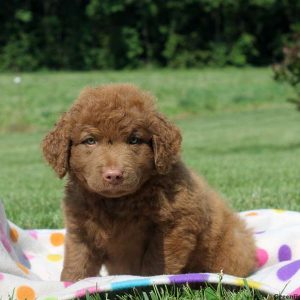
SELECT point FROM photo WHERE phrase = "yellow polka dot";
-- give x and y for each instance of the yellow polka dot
(254, 284)
(25, 293)
(279, 211)
(54, 257)
(239, 281)
(251, 283)
(14, 235)
(23, 268)
(57, 239)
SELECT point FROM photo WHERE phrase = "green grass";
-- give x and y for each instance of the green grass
(248, 149)
(238, 132)
(35, 103)
(185, 292)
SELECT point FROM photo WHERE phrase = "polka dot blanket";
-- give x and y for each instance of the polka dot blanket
(31, 262)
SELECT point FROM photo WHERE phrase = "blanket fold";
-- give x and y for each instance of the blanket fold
(31, 262)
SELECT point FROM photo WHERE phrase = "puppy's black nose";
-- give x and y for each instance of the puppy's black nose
(113, 176)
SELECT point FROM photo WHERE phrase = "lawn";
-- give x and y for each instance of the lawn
(239, 132)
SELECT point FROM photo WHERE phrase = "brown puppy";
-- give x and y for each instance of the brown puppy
(130, 202)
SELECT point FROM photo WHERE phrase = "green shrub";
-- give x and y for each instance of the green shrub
(289, 70)
(18, 55)
(104, 34)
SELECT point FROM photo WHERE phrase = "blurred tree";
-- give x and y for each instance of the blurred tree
(102, 34)
(289, 70)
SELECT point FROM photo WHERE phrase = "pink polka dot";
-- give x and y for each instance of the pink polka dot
(28, 256)
(33, 234)
(83, 292)
(67, 283)
(80, 293)
(296, 292)
(93, 290)
(1, 276)
(261, 257)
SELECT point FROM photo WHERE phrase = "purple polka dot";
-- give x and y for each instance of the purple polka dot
(284, 253)
(6, 244)
(260, 232)
(192, 277)
(5, 241)
(289, 270)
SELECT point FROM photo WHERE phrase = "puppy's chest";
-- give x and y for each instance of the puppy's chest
(125, 247)
(114, 234)
(122, 226)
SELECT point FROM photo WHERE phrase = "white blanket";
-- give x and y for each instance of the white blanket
(31, 262)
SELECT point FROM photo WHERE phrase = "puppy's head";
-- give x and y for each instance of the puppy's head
(113, 140)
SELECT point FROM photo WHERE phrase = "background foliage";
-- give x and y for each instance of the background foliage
(289, 70)
(117, 34)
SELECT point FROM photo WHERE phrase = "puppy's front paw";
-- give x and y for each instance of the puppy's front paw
(71, 276)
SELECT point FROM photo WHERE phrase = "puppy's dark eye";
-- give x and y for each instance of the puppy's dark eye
(134, 140)
(89, 141)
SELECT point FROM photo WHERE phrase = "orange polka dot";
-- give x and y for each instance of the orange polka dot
(57, 239)
(23, 268)
(14, 235)
(251, 214)
(25, 293)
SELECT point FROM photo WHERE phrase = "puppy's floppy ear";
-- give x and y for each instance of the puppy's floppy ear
(56, 146)
(166, 142)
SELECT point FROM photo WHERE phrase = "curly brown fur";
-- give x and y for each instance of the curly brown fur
(130, 202)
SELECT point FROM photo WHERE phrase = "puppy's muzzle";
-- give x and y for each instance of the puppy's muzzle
(113, 176)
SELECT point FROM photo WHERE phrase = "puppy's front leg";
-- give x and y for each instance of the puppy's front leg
(168, 251)
(79, 261)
